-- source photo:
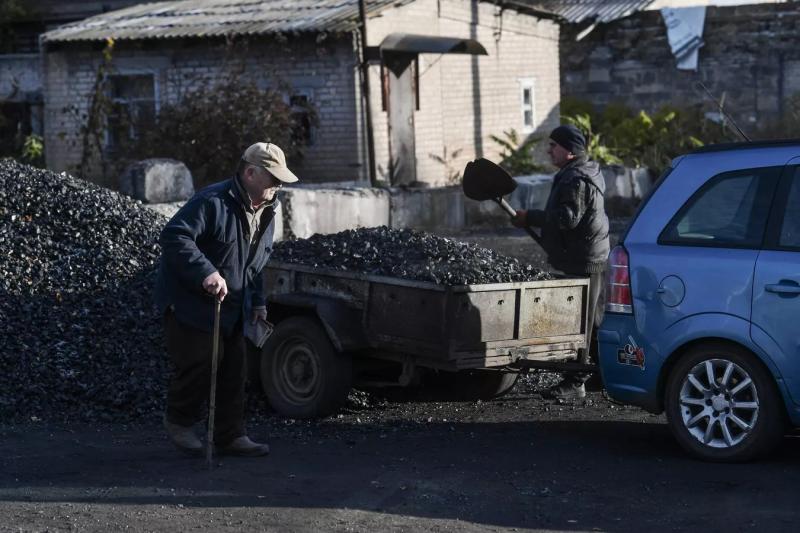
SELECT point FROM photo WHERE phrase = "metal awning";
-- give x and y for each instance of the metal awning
(430, 44)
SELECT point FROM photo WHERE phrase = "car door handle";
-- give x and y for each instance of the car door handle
(782, 288)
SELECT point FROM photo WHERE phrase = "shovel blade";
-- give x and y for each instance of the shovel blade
(484, 180)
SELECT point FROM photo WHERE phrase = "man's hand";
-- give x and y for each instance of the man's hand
(258, 312)
(215, 284)
(520, 220)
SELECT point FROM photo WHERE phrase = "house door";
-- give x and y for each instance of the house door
(401, 103)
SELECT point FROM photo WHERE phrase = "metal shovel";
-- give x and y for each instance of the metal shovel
(484, 180)
(212, 397)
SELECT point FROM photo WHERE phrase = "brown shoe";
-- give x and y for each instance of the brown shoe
(183, 438)
(243, 447)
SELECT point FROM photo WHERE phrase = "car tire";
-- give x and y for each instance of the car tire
(302, 374)
(722, 405)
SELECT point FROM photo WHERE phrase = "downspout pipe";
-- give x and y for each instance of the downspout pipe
(365, 89)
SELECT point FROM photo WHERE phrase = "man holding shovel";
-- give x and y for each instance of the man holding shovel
(215, 247)
(574, 231)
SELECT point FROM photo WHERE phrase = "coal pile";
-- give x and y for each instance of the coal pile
(80, 338)
(406, 254)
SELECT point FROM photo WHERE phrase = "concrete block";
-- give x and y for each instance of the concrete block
(427, 209)
(485, 214)
(307, 210)
(531, 192)
(157, 181)
(626, 182)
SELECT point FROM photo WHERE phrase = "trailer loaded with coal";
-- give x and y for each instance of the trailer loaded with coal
(382, 306)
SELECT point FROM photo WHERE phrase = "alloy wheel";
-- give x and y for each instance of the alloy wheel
(719, 403)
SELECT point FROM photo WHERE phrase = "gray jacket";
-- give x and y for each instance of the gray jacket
(574, 222)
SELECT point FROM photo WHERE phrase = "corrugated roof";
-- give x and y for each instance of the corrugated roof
(200, 18)
(595, 11)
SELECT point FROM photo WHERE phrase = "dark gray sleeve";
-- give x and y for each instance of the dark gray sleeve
(535, 218)
(571, 204)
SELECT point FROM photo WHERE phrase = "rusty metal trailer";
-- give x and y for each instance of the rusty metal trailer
(329, 323)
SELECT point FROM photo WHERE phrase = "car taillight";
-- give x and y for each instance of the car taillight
(618, 295)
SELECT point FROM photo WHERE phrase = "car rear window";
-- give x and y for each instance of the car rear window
(730, 210)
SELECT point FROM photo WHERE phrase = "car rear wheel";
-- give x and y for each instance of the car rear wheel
(722, 404)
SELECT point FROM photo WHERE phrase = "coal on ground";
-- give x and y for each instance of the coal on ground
(81, 339)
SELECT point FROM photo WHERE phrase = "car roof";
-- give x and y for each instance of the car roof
(727, 147)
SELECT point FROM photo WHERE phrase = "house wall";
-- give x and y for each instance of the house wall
(326, 69)
(751, 55)
(465, 99)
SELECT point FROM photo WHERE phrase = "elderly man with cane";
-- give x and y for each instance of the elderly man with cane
(574, 232)
(215, 248)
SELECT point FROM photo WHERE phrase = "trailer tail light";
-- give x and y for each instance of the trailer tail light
(619, 298)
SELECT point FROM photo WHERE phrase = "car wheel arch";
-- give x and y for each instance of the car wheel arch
(682, 350)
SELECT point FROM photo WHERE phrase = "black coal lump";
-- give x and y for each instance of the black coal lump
(80, 337)
(407, 254)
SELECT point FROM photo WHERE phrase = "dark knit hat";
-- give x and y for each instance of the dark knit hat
(570, 137)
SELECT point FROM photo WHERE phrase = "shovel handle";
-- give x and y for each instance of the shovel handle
(512, 213)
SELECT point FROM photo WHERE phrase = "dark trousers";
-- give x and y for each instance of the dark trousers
(190, 351)
(597, 303)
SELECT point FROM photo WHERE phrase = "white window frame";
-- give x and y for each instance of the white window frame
(527, 84)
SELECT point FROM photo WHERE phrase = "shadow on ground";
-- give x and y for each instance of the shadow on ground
(566, 475)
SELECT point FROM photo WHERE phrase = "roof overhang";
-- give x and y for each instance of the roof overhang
(430, 44)
(408, 43)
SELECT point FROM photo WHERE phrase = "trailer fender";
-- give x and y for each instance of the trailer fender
(342, 323)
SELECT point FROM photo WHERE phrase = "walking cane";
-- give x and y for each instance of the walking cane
(212, 397)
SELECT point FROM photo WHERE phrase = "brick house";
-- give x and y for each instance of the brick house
(459, 101)
(21, 105)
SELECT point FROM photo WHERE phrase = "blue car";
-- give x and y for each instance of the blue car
(703, 304)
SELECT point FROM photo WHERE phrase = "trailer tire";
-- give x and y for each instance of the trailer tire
(302, 374)
(471, 385)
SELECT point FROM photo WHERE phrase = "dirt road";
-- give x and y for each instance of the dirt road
(519, 463)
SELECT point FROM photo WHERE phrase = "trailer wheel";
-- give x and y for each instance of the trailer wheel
(302, 374)
(475, 384)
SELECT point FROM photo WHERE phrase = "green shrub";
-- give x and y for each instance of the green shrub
(517, 154)
(595, 150)
(449, 161)
(640, 139)
(33, 150)
(210, 127)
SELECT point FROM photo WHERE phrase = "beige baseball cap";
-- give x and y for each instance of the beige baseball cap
(271, 157)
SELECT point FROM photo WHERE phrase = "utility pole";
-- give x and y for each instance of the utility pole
(362, 11)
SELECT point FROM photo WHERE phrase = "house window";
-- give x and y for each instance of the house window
(301, 103)
(133, 107)
(528, 105)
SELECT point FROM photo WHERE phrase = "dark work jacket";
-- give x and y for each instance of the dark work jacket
(210, 234)
(574, 222)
